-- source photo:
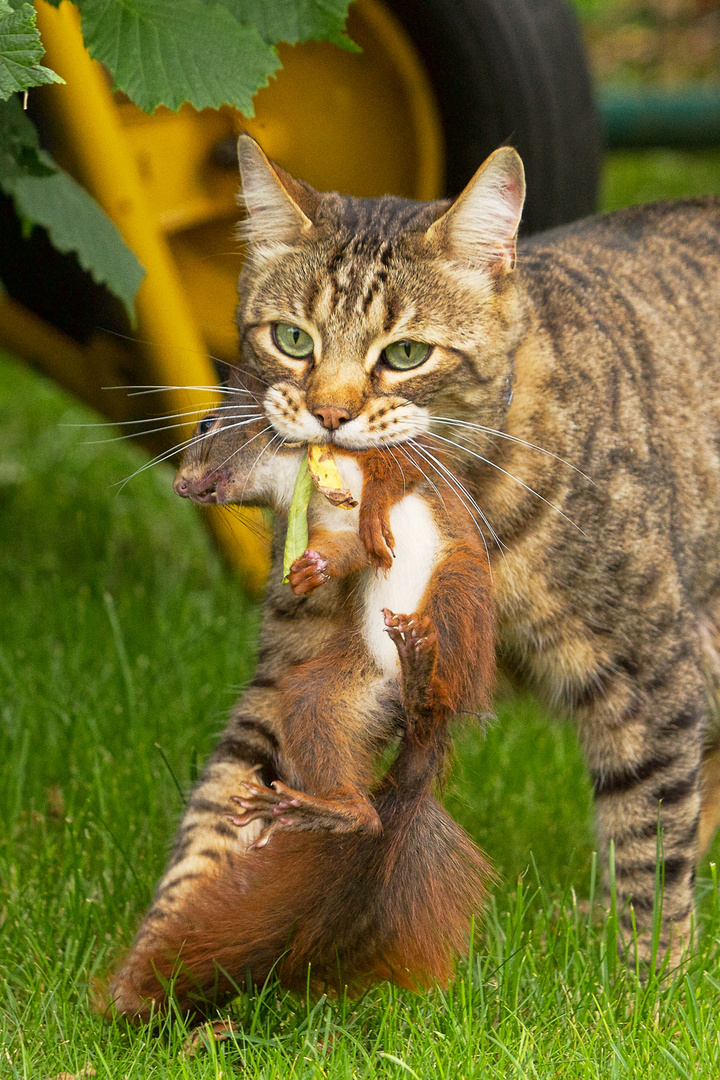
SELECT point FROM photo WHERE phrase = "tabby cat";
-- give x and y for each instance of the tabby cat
(578, 380)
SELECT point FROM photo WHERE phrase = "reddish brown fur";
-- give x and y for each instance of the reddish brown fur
(388, 887)
(320, 745)
(331, 759)
(385, 482)
(355, 908)
(319, 900)
(459, 603)
(459, 596)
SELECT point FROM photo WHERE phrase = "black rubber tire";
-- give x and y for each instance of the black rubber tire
(512, 72)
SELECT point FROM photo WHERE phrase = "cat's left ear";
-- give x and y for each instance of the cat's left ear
(279, 207)
(481, 226)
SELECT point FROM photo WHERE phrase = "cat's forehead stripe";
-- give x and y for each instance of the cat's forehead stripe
(356, 274)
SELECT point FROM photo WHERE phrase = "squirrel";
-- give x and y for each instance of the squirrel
(326, 908)
(361, 881)
(448, 582)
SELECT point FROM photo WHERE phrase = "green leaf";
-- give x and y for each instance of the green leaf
(167, 52)
(296, 538)
(19, 148)
(46, 195)
(295, 20)
(76, 223)
(21, 52)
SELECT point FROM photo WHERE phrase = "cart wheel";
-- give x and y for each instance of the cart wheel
(512, 71)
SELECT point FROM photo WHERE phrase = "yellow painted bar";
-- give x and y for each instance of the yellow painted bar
(24, 334)
(85, 108)
(107, 166)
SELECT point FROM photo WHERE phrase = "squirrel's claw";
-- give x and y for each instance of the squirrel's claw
(308, 572)
(409, 632)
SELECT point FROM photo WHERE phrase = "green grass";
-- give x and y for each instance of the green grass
(123, 643)
(637, 176)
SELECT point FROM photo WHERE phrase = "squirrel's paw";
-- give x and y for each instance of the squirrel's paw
(308, 572)
(285, 808)
(417, 644)
(410, 633)
(265, 804)
(377, 539)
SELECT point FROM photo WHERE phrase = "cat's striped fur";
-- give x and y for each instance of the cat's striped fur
(582, 383)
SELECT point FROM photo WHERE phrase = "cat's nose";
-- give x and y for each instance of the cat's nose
(332, 418)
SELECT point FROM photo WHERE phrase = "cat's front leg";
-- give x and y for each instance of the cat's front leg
(643, 743)
(206, 846)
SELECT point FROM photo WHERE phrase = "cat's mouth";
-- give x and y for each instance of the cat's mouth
(385, 421)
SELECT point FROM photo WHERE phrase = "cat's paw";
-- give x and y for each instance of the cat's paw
(308, 573)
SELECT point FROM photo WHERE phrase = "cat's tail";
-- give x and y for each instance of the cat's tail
(326, 909)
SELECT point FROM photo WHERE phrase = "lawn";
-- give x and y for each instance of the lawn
(123, 642)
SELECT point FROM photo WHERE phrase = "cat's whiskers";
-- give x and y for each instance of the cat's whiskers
(243, 371)
(462, 493)
(422, 471)
(512, 438)
(388, 450)
(134, 340)
(163, 427)
(262, 532)
(141, 389)
(257, 459)
(242, 448)
(199, 411)
(207, 447)
(280, 445)
(194, 441)
(467, 450)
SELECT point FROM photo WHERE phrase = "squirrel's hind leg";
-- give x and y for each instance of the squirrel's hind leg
(283, 807)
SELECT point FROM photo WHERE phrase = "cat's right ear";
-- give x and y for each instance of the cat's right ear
(278, 207)
(480, 228)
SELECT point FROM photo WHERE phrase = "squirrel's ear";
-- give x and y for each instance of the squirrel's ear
(279, 208)
(481, 226)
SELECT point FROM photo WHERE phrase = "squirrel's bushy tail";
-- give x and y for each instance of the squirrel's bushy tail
(356, 908)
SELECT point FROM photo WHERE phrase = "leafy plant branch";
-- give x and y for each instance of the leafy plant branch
(159, 52)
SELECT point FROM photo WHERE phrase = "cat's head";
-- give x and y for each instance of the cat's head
(366, 318)
(361, 322)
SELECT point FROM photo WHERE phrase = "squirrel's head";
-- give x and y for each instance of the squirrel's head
(236, 456)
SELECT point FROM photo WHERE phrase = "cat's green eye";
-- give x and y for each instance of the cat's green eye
(292, 340)
(403, 355)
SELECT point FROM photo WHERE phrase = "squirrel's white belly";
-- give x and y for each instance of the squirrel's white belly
(417, 543)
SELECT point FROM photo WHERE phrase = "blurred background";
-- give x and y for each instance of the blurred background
(125, 634)
(655, 66)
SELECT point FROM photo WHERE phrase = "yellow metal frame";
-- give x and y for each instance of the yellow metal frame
(364, 124)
